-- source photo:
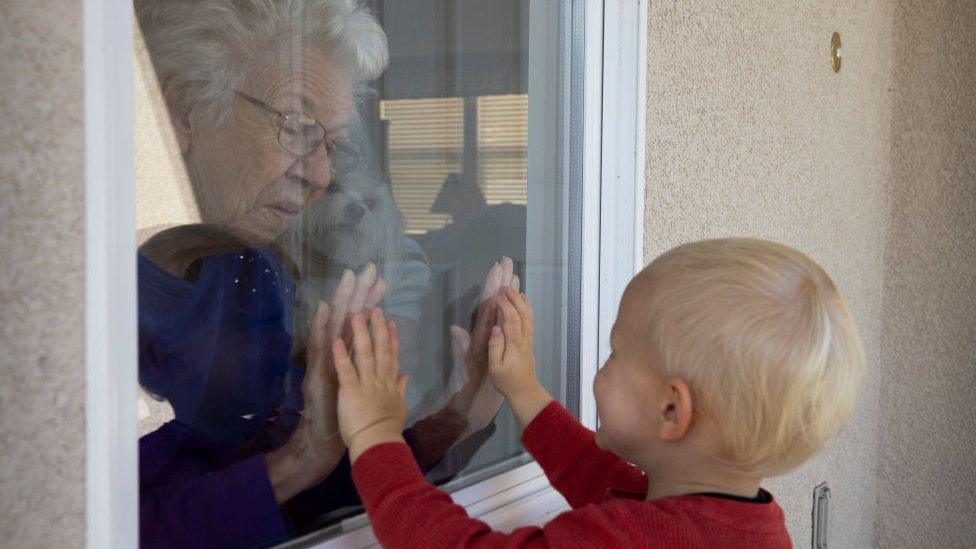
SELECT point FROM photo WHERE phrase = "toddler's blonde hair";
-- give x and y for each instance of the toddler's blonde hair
(765, 343)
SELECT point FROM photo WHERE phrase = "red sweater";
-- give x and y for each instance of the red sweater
(605, 492)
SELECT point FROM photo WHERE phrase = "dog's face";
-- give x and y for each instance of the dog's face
(356, 221)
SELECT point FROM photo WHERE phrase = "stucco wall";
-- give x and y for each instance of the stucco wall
(927, 452)
(42, 278)
(750, 132)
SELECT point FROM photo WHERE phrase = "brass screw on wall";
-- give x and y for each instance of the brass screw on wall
(835, 55)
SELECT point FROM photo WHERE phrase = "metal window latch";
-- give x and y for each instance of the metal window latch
(821, 516)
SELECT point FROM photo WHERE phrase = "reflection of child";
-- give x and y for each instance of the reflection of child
(732, 360)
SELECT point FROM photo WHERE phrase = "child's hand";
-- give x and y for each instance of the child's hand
(372, 408)
(510, 360)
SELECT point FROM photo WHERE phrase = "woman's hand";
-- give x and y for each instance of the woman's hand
(315, 448)
(372, 391)
(477, 400)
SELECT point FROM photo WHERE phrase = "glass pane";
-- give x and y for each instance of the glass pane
(426, 147)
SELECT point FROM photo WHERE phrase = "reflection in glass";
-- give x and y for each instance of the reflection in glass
(360, 154)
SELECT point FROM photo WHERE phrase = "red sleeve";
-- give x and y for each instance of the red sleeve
(407, 511)
(581, 471)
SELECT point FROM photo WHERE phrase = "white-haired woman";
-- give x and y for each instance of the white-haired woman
(259, 93)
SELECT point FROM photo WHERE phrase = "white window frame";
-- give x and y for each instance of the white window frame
(613, 215)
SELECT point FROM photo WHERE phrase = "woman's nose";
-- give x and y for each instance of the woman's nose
(314, 167)
(354, 212)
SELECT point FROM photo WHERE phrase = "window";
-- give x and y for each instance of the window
(481, 138)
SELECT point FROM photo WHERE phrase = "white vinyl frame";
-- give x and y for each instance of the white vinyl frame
(613, 215)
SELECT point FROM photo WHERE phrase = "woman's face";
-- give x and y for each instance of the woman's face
(243, 178)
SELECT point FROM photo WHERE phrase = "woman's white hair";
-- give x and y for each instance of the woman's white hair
(203, 49)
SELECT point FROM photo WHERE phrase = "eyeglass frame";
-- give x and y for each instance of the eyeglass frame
(345, 146)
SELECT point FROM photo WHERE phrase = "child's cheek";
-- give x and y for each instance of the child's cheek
(599, 386)
(598, 438)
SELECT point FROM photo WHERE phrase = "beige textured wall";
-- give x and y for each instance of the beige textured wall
(42, 278)
(927, 451)
(751, 133)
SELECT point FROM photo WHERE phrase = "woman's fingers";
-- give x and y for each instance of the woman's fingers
(508, 270)
(516, 283)
(340, 303)
(483, 323)
(492, 282)
(345, 369)
(317, 336)
(364, 282)
(376, 294)
(460, 339)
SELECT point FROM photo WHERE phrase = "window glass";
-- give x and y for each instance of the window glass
(415, 155)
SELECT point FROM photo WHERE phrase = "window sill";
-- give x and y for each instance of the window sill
(528, 499)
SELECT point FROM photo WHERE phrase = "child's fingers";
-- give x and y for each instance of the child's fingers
(511, 322)
(345, 369)
(381, 342)
(516, 283)
(496, 347)
(522, 306)
(402, 382)
(394, 345)
(362, 347)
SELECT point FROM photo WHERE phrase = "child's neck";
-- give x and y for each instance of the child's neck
(691, 476)
(679, 487)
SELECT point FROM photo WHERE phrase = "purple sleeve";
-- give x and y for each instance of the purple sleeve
(231, 507)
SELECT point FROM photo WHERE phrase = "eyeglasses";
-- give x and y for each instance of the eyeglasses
(301, 135)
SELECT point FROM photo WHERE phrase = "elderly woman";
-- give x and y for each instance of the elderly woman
(259, 93)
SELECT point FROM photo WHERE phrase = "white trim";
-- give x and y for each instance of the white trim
(592, 154)
(640, 170)
(615, 135)
(112, 481)
(621, 227)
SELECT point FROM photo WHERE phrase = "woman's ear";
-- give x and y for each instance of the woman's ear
(675, 411)
(179, 116)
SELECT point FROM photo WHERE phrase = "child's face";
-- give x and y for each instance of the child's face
(628, 387)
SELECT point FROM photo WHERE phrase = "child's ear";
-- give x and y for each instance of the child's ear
(675, 411)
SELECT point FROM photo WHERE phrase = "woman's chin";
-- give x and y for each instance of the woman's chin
(268, 225)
